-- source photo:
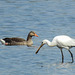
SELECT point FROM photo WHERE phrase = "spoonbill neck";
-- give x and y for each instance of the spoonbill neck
(48, 43)
(51, 44)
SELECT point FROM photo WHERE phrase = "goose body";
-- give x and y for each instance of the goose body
(61, 41)
(19, 41)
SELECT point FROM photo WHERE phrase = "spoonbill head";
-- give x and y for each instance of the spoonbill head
(43, 42)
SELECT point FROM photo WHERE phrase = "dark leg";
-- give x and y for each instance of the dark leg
(62, 55)
(71, 55)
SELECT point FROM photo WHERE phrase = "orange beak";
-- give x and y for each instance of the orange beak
(36, 35)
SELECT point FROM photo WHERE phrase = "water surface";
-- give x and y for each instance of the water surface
(47, 18)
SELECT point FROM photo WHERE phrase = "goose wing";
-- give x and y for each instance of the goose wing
(15, 39)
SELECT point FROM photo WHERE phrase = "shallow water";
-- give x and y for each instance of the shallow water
(47, 18)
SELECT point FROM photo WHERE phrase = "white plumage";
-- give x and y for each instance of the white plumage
(61, 42)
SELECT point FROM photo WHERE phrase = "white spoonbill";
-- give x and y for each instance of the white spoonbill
(61, 41)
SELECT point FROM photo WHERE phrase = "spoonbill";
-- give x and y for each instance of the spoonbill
(61, 41)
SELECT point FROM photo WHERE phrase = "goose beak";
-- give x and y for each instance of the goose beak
(36, 35)
(39, 48)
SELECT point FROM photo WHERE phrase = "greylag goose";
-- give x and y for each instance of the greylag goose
(19, 41)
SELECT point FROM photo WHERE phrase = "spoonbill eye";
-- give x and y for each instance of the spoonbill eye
(42, 43)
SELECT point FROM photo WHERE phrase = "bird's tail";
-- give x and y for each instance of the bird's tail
(2, 41)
